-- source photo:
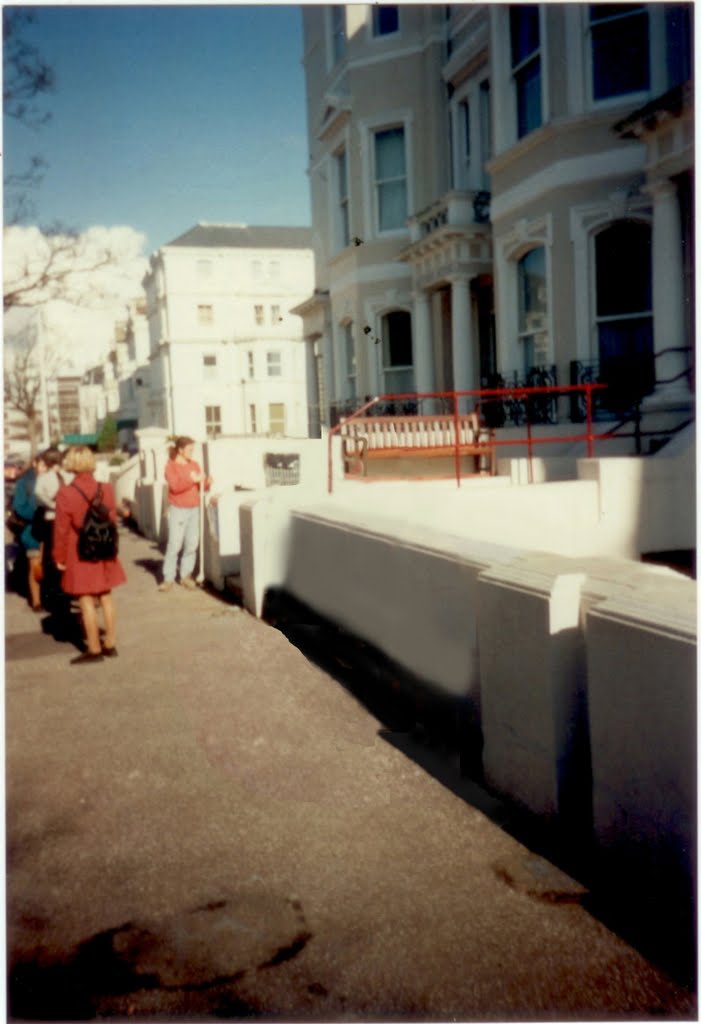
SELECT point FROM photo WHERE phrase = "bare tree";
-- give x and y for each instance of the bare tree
(27, 79)
(61, 265)
(25, 372)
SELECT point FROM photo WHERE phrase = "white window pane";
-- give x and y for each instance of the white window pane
(389, 154)
(392, 205)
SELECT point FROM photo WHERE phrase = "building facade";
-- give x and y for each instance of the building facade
(227, 357)
(499, 194)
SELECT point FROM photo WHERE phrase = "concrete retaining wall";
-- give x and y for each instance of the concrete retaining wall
(642, 657)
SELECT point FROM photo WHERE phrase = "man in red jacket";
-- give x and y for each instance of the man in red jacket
(184, 478)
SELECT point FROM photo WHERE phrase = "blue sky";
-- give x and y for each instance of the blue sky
(167, 115)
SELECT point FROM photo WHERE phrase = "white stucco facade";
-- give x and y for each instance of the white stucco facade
(489, 194)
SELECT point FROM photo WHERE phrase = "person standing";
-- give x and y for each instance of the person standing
(90, 582)
(185, 479)
(53, 597)
(24, 505)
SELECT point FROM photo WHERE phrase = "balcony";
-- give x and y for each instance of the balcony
(455, 209)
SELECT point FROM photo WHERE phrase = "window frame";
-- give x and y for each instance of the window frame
(367, 128)
(281, 405)
(532, 353)
(534, 58)
(616, 15)
(273, 360)
(469, 173)
(378, 183)
(259, 315)
(387, 367)
(350, 359)
(341, 197)
(212, 421)
(205, 314)
(209, 366)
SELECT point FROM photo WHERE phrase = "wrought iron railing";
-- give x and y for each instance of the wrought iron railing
(516, 409)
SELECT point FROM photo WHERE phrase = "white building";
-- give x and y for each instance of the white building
(132, 352)
(500, 193)
(227, 357)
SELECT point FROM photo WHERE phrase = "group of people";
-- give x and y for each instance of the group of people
(49, 506)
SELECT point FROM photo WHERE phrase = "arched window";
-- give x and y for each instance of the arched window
(533, 309)
(624, 311)
(397, 353)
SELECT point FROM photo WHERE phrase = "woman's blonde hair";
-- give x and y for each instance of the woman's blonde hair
(80, 459)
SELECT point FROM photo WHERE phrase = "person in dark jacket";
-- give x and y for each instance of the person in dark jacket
(24, 504)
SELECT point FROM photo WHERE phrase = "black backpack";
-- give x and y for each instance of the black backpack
(97, 537)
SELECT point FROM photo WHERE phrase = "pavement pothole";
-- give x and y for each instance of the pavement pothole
(206, 948)
(214, 942)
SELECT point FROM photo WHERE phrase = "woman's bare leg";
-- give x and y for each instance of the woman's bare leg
(89, 616)
(33, 583)
(110, 619)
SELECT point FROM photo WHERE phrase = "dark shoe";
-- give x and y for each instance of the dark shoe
(86, 657)
(109, 652)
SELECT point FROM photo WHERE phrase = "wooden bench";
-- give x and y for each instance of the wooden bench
(367, 438)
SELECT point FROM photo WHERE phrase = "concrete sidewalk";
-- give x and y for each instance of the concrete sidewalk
(209, 825)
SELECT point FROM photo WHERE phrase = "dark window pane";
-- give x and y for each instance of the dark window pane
(528, 98)
(396, 332)
(620, 53)
(525, 32)
(623, 270)
(679, 34)
(385, 19)
(627, 362)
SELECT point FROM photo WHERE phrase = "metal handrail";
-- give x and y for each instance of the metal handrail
(488, 393)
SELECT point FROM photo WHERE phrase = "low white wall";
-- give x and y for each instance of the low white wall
(649, 503)
(642, 665)
(410, 591)
(123, 479)
(532, 677)
(233, 461)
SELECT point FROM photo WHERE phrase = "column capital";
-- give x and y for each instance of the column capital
(660, 188)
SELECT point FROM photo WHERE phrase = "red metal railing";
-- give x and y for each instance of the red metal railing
(491, 394)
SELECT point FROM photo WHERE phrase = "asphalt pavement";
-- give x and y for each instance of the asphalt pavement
(210, 826)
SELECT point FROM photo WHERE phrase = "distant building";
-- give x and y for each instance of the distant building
(500, 193)
(132, 350)
(226, 354)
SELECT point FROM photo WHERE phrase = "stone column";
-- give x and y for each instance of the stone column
(330, 395)
(462, 340)
(424, 376)
(667, 294)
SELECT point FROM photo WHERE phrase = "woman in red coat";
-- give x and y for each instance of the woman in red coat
(86, 580)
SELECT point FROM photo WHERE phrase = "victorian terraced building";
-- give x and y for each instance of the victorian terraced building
(499, 194)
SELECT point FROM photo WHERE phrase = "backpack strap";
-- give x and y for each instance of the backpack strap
(90, 501)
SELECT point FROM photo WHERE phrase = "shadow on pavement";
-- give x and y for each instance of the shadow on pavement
(436, 735)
